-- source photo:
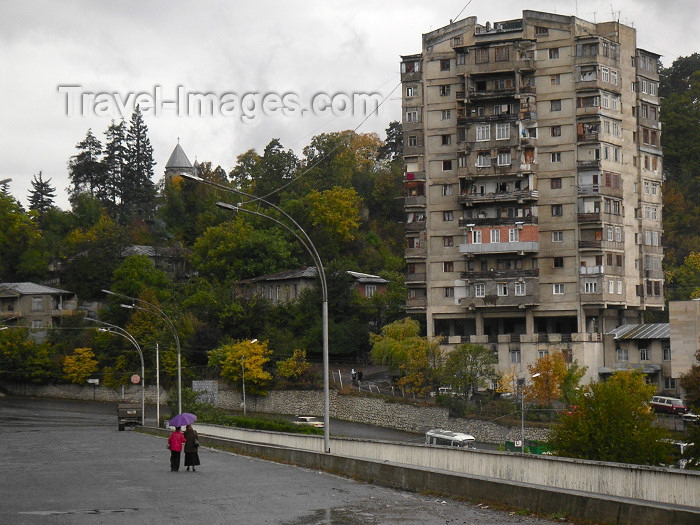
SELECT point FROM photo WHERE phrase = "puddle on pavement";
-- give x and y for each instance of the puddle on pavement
(337, 516)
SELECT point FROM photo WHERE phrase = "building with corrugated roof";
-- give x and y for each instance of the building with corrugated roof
(35, 306)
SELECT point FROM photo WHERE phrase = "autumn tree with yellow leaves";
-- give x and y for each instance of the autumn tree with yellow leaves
(233, 358)
(80, 365)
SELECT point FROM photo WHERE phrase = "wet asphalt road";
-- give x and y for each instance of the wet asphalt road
(65, 462)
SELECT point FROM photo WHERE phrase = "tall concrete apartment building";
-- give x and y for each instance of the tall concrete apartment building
(533, 186)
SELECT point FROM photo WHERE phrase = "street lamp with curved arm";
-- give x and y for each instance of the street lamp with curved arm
(309, 245)
(162, 315)
(118, 330)
(306, 243)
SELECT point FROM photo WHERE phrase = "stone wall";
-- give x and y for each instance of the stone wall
(369, 410)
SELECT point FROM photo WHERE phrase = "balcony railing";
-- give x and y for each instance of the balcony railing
(417, 226)
(415, 277)
(500, 274)
(499, 247)
(601, 245)
(518, 195)
(418, 200)
(496, 221)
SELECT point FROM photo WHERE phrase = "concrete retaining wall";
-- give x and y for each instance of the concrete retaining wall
(653, 484)
(601, 508)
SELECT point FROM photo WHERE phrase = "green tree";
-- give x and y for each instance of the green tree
(685, 280)
(24, 256)
(469, 367)
(137, 189)
(612, 422)
(85, 170)
(392, 149)
(243, 359)
(23, 360)
(690, 381)
(79, 366)
(136, 274)
(115, 164)
(41, 196)
(418, 360)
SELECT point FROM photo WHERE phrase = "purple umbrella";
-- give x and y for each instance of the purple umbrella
(182, 420)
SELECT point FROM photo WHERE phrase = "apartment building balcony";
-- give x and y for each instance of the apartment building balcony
(415, 175)
(588, 164)
(496, 221)
(587, 137)
(653, 250)
(588, 83)
(500, 274)
(10, 315)
(414, 253)
(496, 301)
(470, 116)
(601, 245)
(490, 94)
(654, 301)
(415, 278)
(499, 247)
(505, 196)
(412, 126)
(598, 217)
(599, 189)
(591, 270)
(418, 200)
(409, 151)
(415, 303)
(416, 226)
(654, 274)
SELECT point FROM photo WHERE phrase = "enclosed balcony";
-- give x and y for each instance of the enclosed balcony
(499, 247)
(505, 196)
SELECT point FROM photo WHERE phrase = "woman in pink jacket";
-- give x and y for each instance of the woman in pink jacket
(175, 442)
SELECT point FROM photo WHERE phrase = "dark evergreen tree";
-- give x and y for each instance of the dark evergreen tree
(41, 196)
(115, 163)
(85, 170)
(393, 145)
(138, 191)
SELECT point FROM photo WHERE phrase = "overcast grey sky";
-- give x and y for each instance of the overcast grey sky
(298, 49)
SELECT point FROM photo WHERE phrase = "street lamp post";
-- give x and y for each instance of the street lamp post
(118, 330)
(306, 242)
(522, 413)
(162, 315)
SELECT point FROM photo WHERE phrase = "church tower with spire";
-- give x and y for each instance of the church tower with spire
(178, 164)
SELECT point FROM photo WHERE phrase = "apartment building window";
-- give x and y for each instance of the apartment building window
(616, 129)
(412, 116)
(370, 290)
(447, 190)
(590, 287)
(613, 77)
(643, 353)
(618, 260)
(410, 67)
(446, 139)
(555, 80)
(448, 216)
(444, 90)
(622, 355)
(553, 53)
(37, 323)
(481, 56)
(483, 159)
(412, 140)
(555, 131)
(445, 114)
(609, 231)
(449, 291)
(558, 262)
(555, 183)
(476, 236)
(519, 288)
(456, 41)
(412, 242)
(448, 241)
(495, 235)
(411, 91)
(445, 64)
(557, 236)
(605, 74)
(513, 235)
(611, 286)
(479, 290)
(515, 357)
(557, 210)
(483, 133)
(558, 289)
(448, 266)
(37, 304)
(667, 353)
(669, 383)
(619, 287)
(555, 156)
(501, 53)
(461, 159)
(618, 234)
(555, 105)
(504, 158)
(446, 165)
(541, 31)
(502, 289)
(502, 131)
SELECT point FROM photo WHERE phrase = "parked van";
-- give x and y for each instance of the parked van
(668, 405)
(438, 436)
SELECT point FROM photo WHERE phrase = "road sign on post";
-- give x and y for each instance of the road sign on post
(135, 379)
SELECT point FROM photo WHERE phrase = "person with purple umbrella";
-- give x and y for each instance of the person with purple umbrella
(175, 442)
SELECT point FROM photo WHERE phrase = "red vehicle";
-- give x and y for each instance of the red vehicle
(668, 405)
